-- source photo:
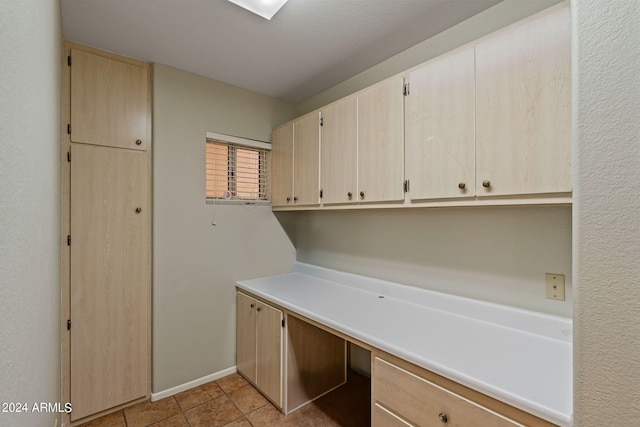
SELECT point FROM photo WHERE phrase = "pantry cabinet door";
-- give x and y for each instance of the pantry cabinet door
(381, 142)
(109, 290)
(108, 101)
(339, 152)
(524, 107)
(306, 160)
(282, 166)
(440, 128)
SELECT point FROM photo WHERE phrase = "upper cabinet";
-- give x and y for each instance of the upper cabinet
(488, 123)
(282, 165)
(523, 140)
(440, 128)
(108, 101)
(380, 142)
(362, 146)
(306, 160)
(295, 162)
(339, 159)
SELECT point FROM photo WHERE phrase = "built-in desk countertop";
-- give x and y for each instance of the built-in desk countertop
(520, 357)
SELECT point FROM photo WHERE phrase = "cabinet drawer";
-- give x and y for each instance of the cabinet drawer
(424, 403)
(382, 417)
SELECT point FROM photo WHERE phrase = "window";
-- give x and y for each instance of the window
(236, 168)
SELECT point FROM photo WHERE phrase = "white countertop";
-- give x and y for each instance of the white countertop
(520, 357)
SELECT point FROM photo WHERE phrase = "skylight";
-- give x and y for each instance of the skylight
(264, 8)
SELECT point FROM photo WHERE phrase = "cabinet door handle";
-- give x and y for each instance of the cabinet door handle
(486, 184)
(253, 305)
(362, 194)
(138, 141)
(295, 199)
(138, 210)
(288, 199)
(259, 308)
(443, 417)
(461, 185)
(349, 195)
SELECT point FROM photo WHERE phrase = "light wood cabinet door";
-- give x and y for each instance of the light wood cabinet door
(282, 166)
(440, 128)
(306, 159)
(269, 350)
(259, 345)
(109, 286)
(381, 142)
(108, 101)
(339, 152)
(523, 140)
(246, 349)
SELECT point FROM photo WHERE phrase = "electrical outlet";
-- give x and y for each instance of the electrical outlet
(555, 286)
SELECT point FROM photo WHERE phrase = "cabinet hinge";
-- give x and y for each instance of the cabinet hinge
(283, 323)
(321, 193)
(68, 156)
(321, 121)
(69, 128)
(405, 89)
(406, 186)
(69, 60)
(68, 324)
(68, 240)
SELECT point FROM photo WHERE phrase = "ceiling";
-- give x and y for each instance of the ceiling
(308, 46)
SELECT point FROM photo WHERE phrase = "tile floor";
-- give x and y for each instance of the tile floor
(233, 402)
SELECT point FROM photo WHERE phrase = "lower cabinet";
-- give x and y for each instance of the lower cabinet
(259, 345)
(407, 395)
(289, 360)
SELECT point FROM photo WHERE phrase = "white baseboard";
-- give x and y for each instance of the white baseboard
(191, 384)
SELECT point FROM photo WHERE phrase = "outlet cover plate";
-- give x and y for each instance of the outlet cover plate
(555, 286)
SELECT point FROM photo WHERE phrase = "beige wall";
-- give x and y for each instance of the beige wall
(497, 254)
(606, 212)
(195, 264)
(30, 208)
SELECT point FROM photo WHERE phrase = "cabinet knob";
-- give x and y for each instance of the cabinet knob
(288, 199)
(349, 195)
(138, 210)
(461, 185)
(362, 194)
(253, 305)
(259, 308)
(486, 184)
(443, 417)
(295, 199)
(138, 141)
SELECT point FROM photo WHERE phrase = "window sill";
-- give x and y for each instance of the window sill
(238, 202)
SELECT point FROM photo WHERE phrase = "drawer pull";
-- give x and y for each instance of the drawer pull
(443, 417)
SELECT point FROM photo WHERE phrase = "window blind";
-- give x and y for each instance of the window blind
(236, 172)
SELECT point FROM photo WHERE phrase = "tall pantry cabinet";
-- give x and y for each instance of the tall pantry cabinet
(106, 226)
